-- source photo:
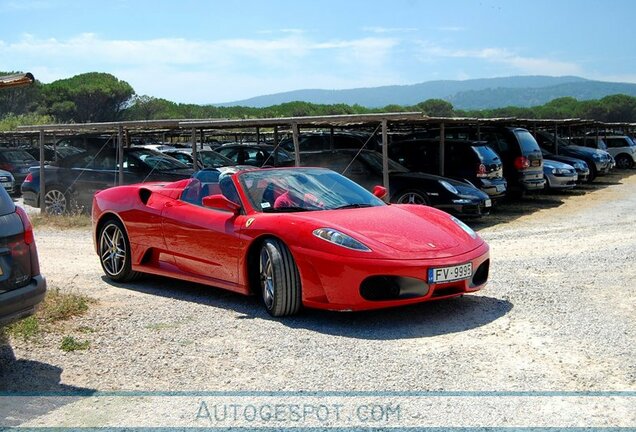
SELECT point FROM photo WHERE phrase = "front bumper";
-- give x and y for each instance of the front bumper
(338, 284)
(22, 302)
(561, 181)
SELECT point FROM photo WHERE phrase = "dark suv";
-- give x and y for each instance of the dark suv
(519, 152)
(22, 287)
(317, 141)
(463, 160)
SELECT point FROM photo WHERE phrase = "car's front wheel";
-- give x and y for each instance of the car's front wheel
(624, 162)
(56, 202)
(279, 279)
(412, 197)
(114, 252)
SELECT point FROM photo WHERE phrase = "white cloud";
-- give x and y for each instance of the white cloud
(210, 70)
(526, 65)
(383, 30)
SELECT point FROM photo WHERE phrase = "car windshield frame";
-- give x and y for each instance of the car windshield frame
(162, 162)
(312, 189)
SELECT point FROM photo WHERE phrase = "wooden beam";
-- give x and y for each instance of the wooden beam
(295, 138)
(42, 182)
(385, 159)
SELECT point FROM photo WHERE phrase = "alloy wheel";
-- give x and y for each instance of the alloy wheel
(112, 250)
(55, 202)
(267, 278)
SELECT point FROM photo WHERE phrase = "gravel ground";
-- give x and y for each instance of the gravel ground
(557, 315)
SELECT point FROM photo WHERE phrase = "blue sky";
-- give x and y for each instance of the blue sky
(216, 51)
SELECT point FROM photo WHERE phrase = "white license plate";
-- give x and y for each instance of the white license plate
(6, 185)
(449, 274)
(488, 203)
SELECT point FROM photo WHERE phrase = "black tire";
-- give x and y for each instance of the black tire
(412, 197)
(624, 162)
(56, 200)
(114, 252)
(593, 172)
(280, 286)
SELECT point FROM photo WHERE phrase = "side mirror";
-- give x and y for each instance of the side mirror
(220, 202)
(379, 191)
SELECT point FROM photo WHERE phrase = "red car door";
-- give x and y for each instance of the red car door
(204, 242)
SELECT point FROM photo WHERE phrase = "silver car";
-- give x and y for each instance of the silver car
(559, 175)
(7, 181)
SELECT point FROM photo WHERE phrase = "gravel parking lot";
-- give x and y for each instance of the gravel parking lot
(557, 315)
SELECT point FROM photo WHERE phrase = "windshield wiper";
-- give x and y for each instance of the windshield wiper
(350, 206)
(284, 209)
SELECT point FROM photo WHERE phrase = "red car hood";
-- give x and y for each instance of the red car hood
(421, 232)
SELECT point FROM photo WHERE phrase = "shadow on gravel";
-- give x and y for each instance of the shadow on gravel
(23, 385)
(508, 210)
(413, 321)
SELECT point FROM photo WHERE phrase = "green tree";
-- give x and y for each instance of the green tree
(436, 108)
(89, 97)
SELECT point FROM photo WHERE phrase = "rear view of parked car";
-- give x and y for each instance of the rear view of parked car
(22, 287)
(17, 162)
(463, 160)
(7, 181)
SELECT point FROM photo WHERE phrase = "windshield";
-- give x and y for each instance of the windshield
(17, 156)
(157, 161)
(303, 189)
(212, 159)
(527, 142)
(486, 154)
(375, 160)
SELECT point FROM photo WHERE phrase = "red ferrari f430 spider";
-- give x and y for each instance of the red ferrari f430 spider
(294, 236)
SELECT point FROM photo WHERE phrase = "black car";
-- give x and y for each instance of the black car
(598, 161)
(519, 152)
(207, 158)
(405, 187)
(22, 287)
(463, 160)
(316, 141)
(258, 155)
(53, 154)
(72, 183)
(17, 161)
(582, 170)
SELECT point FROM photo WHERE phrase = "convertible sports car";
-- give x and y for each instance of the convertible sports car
(294, 236)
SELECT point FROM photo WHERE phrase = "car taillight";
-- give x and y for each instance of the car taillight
(522, 162)
(481, 171)
(26, 222)
(28, 178)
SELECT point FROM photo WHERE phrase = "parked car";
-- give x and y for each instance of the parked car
(463, 160)
(559, 175)
(207, 158)
(17, 162)
(518, 150)
(53, 154)
(316, 141)
(621, 147)
(582, 170)
(22, 287)
(256, 155)
(7, 181)
(336, 247)
(405, 187)
(598, 161)
(72, 183)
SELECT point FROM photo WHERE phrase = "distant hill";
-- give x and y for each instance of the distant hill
(521, 91)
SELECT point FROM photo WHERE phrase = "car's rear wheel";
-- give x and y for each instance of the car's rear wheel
(624, 162)
(412, 197)
(56, 202)
(279, 279)
(114, 252)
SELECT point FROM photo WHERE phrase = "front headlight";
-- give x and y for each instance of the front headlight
(336, 237)
(465, 227)
(449, 187)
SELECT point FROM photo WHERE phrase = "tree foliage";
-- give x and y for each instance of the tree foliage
(101, 97)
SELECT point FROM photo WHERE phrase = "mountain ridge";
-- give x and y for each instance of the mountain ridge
(481, 93)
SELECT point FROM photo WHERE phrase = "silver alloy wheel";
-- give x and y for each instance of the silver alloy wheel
(112, 249)
(55, 202)
(411, 198)
(267, 278)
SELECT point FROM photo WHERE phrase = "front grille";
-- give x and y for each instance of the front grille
(379, 288)
(481, 274)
